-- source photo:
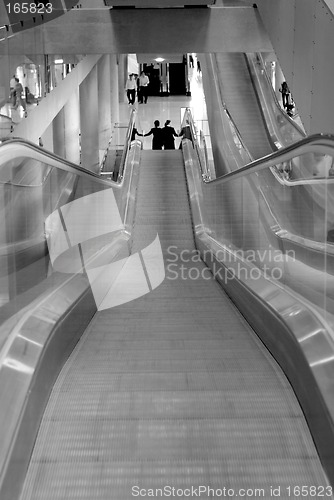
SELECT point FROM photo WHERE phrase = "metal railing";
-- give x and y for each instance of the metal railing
(117, 174)
(189, 130)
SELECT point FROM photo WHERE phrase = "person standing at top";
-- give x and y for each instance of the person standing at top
(157, 141)
(131, 87)
(143, 87)
(168, 136)
(191, 61)
(19, 100)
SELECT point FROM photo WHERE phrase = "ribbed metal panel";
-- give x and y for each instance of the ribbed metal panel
(173, 388)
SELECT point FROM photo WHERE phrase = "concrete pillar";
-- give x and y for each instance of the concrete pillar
(104, 100)
(122, 75)
(89, 121)
(114, 89)
(47, 138)
(72, 128)
(58, 127)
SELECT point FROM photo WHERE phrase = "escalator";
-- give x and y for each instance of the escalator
(241, 101)
(298, 199)
(172, 389)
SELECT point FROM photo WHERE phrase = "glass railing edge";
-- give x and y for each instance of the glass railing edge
(322, 143)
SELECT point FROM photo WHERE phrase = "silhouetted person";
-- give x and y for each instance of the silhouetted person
(156, 131)
(290, 109)
(191, 61)
(285, 94)
(134, 133)
(168, 136)
(199, 70)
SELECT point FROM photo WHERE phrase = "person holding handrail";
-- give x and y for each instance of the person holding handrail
(156, 131)
(169, 133)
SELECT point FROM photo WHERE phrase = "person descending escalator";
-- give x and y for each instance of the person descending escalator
(285, 91)
(169, 133)
(156, 131)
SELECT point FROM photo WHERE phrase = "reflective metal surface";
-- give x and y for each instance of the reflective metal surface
(173, 388)
(62, 224)
(245, 226)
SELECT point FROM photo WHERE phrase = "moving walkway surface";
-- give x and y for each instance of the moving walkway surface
(173, 388)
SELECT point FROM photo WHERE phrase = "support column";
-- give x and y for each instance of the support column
(89, 121)
(72, 128)
(58, 126)
(47, 138)
(104, 99)
(122, 75)
(114, 89)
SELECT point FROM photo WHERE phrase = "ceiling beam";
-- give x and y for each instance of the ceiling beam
(222, 29)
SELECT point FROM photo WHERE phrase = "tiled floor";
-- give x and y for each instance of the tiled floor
(168, 108)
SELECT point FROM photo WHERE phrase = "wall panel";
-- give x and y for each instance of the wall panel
(322, 108)
(303, 56)
(302, 35)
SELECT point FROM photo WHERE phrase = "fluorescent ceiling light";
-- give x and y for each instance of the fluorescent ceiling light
(59, 61)
(159, 59)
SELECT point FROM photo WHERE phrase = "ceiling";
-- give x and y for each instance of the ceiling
(157, 3)
(103, 30)
(150, 58)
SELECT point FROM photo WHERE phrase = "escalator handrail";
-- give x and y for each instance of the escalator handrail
(126, 149)
(126, 145)
(202, 158)
(54, 160)
(271, 159)
(321, 143)
(273, 93)
(257, 71)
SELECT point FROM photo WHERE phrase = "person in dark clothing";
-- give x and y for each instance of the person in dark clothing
(285, 91)
(134, 133)
(143, 88)
(157, 141)
(290, 110)
(185, 133)
(168, 136)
